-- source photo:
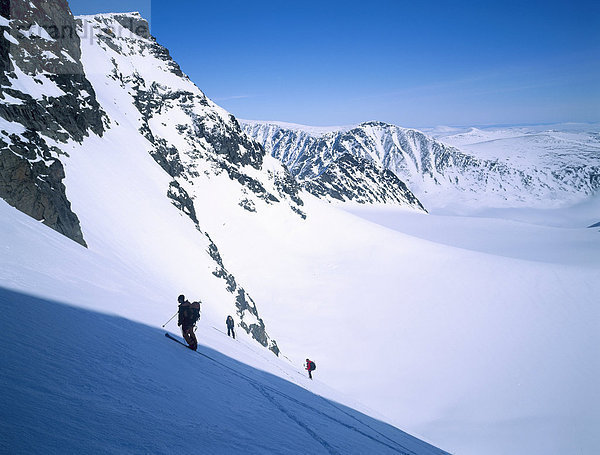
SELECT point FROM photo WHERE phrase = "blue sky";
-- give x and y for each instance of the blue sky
(408, 63)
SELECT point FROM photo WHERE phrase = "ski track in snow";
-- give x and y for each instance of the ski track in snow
(84, 382)
(264, 390)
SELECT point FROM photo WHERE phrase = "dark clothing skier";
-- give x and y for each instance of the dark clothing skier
(189, 313)
(310, 367)
(230, 325)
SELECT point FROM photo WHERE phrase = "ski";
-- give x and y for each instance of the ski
(176, 340)
(171, 337)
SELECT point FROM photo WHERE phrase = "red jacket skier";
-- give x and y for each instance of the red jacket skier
(310, 367)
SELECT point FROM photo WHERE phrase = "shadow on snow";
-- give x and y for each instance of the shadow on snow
(78, 381)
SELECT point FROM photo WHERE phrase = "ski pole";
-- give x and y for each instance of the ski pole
(170, 319)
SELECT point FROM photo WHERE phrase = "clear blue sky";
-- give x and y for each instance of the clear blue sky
(406, 62)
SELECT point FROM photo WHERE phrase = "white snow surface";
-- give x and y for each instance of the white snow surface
(479, 334)
(524, 146)
(477, 352)
(79, 378)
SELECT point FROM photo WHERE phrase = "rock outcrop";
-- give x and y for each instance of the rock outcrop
(45, 100)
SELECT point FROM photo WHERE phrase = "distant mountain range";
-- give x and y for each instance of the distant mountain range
(529, 168)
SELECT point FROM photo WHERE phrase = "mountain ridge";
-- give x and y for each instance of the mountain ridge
(437, 173)
(52, 121)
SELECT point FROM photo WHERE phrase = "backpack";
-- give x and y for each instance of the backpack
(189, 313)
(312, 366)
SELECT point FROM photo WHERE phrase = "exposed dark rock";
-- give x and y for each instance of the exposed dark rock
(248, 205)
(287, 184)
(49, 48)
(354, 179)
(252, 184)
(243, 301)
(182, 200)
(37, 189)
(134, 23)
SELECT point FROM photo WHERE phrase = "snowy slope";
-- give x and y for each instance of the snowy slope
(476, 333)
(140, 189)
(528, 146)
(545, 169)
(482, 341)
(127, 119)
(83, 381)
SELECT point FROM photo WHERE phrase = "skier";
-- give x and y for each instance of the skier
(230, 325)
(189, 313)
(310, 367)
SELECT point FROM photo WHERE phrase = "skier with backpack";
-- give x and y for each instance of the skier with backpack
(310, 367)
(189, 313)
(230, 325)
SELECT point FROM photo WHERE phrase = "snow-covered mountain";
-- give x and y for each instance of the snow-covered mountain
(104, 84)
(547, 146)
(327, 171)
(566, 170)
(473, 332)
(79, 380)
(104, 139)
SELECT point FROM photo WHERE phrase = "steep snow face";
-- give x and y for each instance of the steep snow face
(328, 171)
(192, 139)
(78, 372)
(565, 169)
(95, 107)
(167, 147)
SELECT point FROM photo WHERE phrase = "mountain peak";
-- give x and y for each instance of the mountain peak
(132, 21)
(374, 123)
(133, 14)
(308, 129)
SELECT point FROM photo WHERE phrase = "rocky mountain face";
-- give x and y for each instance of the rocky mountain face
(45, 101)
(437, 173)
(356, 179)
(188, 132)
(329, 169)
(65, 80)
